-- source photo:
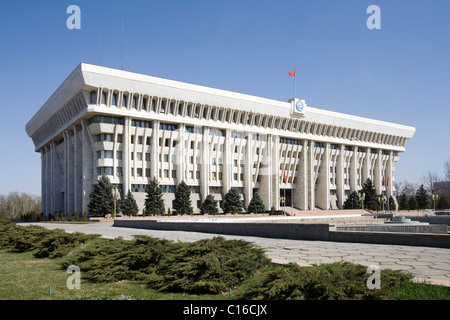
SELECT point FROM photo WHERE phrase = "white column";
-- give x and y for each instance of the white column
(154, 155)
(248, 170)
(311, 182)
(301, 184)
(340, 188)
(205, 163)
(354, 170)
(323, 190)
(126, 169)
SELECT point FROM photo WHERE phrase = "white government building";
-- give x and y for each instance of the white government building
(134, 127)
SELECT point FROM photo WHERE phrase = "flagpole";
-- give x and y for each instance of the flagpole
(295, 84)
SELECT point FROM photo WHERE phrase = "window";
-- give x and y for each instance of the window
(93, 97)
(105, 170)
(133, 102)
(119, 138)
(118, 171)
(104, 137)
(147, 173)
(148, 141)
(174, 174)
(139, 156)
(168, 126)
(114, 99)
(147, 157)
(106, 119)
(124, 101)
(191, 160)
(141, 123)
(235, 176)
(139, 172)
(166, 158)
(166, 173)
(191, 174)
(144, 103)
(140, 139)
(197, 174)
(119, 155)
(105, 154)
(132, 156)
(132, 139)
(235, 162)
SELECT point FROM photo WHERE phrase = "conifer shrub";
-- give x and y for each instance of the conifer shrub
(332, 281)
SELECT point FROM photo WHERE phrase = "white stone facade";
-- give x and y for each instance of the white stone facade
(134, 127)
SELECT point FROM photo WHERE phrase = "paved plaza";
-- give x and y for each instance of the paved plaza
(427, 263)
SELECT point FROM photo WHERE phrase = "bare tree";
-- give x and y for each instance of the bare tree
(429, 180)
(447, 170)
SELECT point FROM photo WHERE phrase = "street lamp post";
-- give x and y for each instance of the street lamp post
(362, 197)
(435, 197)
(115, 193)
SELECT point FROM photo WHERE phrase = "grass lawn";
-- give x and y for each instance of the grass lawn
(39, 273)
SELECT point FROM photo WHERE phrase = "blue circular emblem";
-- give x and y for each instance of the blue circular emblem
(299, 105)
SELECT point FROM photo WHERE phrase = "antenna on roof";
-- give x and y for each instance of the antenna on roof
(121, 49)
(100, 51)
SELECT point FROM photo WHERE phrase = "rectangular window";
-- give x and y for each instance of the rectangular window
(166, 158)
(147, 157)
(114, 99)
(148, 141)
(118, 171)
(139, 172)
(235, 176)
(119, 155)
(197, 174)
(132, 139)
(132, 156)
(119, 138)
(140, 138)
(139, 156)
(166, 173)
(147, 173)
(191, 174)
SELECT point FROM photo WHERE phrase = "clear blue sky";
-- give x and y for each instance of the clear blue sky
(399, 73)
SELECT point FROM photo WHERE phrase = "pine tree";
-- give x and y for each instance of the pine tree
(403, 202)
(101, 199)
(371, 196)
(182, 202)
(392, 206)
(353, 201)
(232, 200)
(256, 204)
(154, 204)
(422, 198)
(412, 203)
(129, 206)
(209, 205)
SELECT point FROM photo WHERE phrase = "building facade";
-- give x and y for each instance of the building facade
(134, 127)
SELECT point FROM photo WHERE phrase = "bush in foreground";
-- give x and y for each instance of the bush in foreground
(335, 281)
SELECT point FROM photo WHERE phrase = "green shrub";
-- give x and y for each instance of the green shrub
(335, 281)
(208, 266)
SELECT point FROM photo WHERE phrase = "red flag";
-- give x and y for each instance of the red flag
(284, 176)
(383, 181)
(292, 177)
(387, 181)
(292, 73)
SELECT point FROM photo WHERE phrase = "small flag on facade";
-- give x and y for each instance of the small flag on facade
(292, 73)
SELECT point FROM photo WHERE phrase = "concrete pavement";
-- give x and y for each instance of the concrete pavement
(431, 264)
